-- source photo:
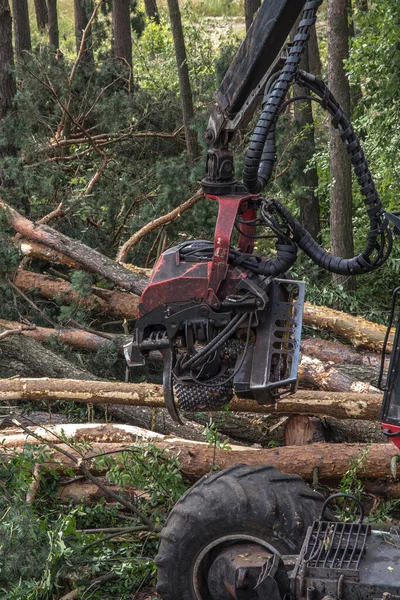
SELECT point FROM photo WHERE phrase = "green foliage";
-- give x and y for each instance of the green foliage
(44, 550)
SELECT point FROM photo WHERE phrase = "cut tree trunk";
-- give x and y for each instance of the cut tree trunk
(102, 301)
(360, 332)
(335, 404)
(338, 354)
(77, 338)
(54, 36)
(37, 360)
(344, 378)
(22, 30)
(323, 461)
(94, 260)
(341, 229)
(301, 430)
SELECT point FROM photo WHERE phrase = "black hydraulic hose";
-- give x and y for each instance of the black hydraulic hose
(260, 157)
(379, 232)
(286, 256)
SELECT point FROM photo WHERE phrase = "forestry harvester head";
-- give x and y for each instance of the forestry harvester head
(223, 318)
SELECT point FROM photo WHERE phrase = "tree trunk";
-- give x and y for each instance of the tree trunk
(192, 145)
(102, 301)
(42, 16)
(314, 56)
(122, 41)
(22, 30)
(82, 11)
(94, 260)
(250, 9)
(341, 430)
(360, 332)
(7, 82)
(337, 353)
(326, 462)
(54, 38)
(307, 177)
(301, 430)
(38, 360)
(341, 405)
(152, 10)
(340, 167)
(77, 338)
(315, 372)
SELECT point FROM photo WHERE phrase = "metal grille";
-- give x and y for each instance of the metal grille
(337, 545)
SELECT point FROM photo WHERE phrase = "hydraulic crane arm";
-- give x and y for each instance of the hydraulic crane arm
(256, 60)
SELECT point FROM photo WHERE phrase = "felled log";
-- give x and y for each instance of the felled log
(360, 332)
(85, 491)
(94, 260)
(321, 460)
(102, 301)
(34, 359)
(336, 404)
(336, 353)
(301, 430)
(336, 378)
(77, 338)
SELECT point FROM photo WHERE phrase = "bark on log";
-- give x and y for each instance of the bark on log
(37, 359)
(360, 332)
(336, 404)
(338, 353)
(326, 461)
(328, 377)
(77, 338)
(74, 249)
(102, 301)
(301, 430)
(84, 491)
(340, 430)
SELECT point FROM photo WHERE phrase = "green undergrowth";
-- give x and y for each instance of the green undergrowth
(45, 550)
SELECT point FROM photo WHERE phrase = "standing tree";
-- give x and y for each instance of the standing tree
(53, 23)
(314, 56)
(151, 9)
(307, 177)
(250, 9)
(121, 20)
(82, 11)
(7, 83)
(192, 145)
(22, 31)
(42, 16)
(340, 167)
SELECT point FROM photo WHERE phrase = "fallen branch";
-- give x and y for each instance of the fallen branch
(339, 405)
(80, 462)
(168, 218)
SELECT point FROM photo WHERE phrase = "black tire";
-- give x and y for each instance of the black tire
(260, 502)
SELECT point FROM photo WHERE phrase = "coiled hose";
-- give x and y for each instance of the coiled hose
(260, 157)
